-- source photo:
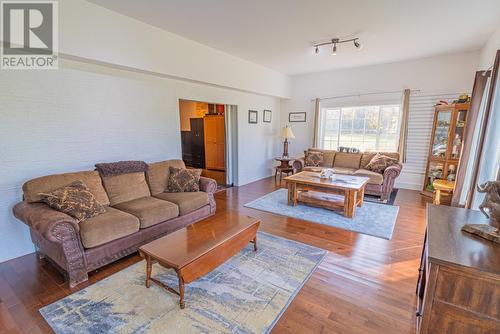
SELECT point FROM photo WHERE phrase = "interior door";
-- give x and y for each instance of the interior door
(214, 142)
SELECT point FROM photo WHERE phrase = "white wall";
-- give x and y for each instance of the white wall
(488, 52)
(93, 32)
(81, 114)
(444, 74)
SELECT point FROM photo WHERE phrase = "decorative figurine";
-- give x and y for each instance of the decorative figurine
(327, 173)
(491, 209)
(455, 151)
(451, 173)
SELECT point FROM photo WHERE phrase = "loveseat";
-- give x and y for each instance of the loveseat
(138, 210)
(354, 164)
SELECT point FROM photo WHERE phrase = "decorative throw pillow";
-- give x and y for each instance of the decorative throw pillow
(183, 180)
(313, 159)
(380, 162)
(75, 200)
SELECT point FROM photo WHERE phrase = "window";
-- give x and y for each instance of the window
(367, 128)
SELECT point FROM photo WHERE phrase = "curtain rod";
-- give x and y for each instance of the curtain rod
(364, 94)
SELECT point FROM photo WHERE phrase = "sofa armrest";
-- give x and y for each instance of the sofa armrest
(56, 235)
(298, 164)
(208, 185)
(392, 172)
(390, 175)
(46, 221)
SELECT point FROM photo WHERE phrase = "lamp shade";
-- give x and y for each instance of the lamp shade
(286, 133)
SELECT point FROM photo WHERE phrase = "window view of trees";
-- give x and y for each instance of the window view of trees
(368, 128)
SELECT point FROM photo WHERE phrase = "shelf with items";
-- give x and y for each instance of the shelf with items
(446, 144)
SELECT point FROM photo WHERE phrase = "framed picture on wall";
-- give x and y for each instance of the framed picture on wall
(296, 117)
(253, 116)
(267, 116)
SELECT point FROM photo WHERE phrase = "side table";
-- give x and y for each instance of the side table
(442, 185)
(284, 167)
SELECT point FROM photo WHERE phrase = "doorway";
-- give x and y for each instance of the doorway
(208, 138)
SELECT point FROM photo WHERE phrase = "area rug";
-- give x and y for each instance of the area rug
(376, 199)
(247, 294)
(373, 219)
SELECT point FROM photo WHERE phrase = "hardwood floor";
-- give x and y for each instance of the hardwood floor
(364, 285)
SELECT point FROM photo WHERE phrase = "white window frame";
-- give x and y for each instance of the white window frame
(380, 104)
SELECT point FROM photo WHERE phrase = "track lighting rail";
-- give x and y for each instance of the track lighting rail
(335, 41)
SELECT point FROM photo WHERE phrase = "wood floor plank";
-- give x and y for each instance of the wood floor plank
(364, 285)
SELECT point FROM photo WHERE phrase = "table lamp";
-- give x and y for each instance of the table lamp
(286, 133)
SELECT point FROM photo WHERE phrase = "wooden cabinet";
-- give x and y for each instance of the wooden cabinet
(193, 151)
(458, 290)
(214, 142)
(445, 146)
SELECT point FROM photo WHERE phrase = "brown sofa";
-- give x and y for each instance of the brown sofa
(137, 212)
(354, 164)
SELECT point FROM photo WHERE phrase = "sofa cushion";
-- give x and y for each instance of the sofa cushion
(109, 226)
(125, 187)
(375, 178)
(343, 170)
(44, 184)
(183, 180)
(75, 200)
(318, 169)
(150, 210)
(328, 156)
(158, 173)
(313, 158)
(367, 157)
(187, 201)
(380, 162)
(347, 160)
(337, 170)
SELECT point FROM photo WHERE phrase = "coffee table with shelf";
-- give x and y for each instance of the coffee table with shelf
(338, 192)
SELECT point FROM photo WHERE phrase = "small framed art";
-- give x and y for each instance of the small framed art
(253, 116)
(267, 115)
(296, 117)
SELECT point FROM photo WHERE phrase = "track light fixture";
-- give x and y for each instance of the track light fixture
(334, 42)
(334, 49)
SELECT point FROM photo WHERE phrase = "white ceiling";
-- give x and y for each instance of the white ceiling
(279, 33)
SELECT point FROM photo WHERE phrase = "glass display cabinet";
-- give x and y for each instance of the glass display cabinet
(446, 144)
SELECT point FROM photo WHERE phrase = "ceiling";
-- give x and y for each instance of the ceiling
(279, 33)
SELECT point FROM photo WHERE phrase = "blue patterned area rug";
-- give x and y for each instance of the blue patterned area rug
(373, 219)
(247, 294)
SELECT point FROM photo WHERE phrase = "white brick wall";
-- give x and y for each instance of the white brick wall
(71, 118)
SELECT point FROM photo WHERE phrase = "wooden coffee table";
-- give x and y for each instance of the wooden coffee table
(339, 192)
(196, 250)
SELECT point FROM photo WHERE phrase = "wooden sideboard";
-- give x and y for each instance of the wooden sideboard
(458, 290)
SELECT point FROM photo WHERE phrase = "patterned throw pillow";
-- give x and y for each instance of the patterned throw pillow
(75, 200)
(183, 180)
(313, 159)
(380, 162)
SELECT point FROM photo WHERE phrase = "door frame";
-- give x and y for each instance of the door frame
(231, 137)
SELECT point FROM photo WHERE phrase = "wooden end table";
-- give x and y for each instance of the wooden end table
(284, 167)
(442, 185)
(339, 192)
(197, 249)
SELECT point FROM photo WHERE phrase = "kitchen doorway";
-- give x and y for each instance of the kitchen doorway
(208, 139)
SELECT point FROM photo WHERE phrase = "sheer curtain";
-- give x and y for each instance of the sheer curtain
(490, 161)
(403, 132)
(316, 129)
